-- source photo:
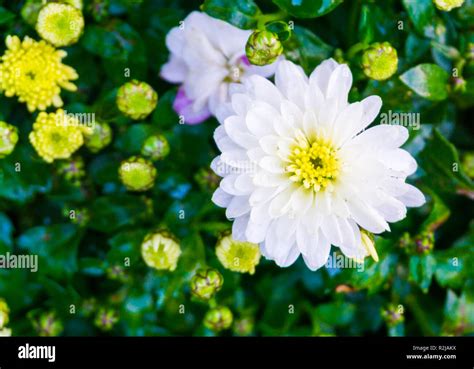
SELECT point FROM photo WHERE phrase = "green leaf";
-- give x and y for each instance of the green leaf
(109, 213)
(440, 161)
(6, 233)
(280, 28)
(422, 269)
(427, 80)
(421, 13)
(5, 15)
(242, 14)
(132, 140)
(438, 215)
(307, 8)
(56, 246)
(306, 49)
(366, 25)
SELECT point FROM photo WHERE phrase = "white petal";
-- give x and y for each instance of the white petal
(322, 73)
(413, 197)
(318, 252)
(238, 207)
(292, 81)
(221, 198)
(238, 228)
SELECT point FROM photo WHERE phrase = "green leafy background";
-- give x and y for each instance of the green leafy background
(435, 290)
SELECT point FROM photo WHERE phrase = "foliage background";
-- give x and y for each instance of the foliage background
(436, 290)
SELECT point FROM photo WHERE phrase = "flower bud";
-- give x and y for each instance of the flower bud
(60, 24)
(448, 5)
(79, 216)
(393, 315)
(88, 306)
(137, 174)
(30, 10)
(380, 61)
(106, 318)
(207, 180)
(458, 84)
(243, 326)
(5, 332)
(468, 163)
(136, 99)
(237, 256)
(72, 170)
(8, 139)
(117, 273)
(4, 313)
(218, 318)
(47, 325)
(206, 282)
(156, 147)
(424, 242)
(263, 47)
(99, 9)
(369, 244)
(160, 250)
(98, 137)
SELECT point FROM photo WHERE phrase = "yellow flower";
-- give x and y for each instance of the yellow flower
(4, 313)
(161, 251)
(448, 5)
(60, 24)
(56, 135)
(237, 256)
(33, 71)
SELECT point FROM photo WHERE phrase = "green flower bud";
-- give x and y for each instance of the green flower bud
(30, 10)
(243, 326)
(206, 282)
(106, 318)
(458, 84)
(137, 174)
(98, 137)
(79, 216)
(117, 273)
(4, 313)
(468, 163)
(218, 318)
(60, 24)
(263, 47)
(161, 250)
(136, 99)
(405, 242)
(8, 139)
(448, 5)
(393, 314)
(424, 242)
(380, 61)
(99, 9)
(156, 147)
(207, 180)
(72, 170)
(88, 306)
(237, 256)
(47, 325)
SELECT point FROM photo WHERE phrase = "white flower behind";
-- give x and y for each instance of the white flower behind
(300, 173)
(206, 55)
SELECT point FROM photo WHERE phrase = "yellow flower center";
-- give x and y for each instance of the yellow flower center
(315, 164)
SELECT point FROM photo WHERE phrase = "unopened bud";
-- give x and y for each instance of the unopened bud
(156, 147)
(218, 318)
(8, 139)
(160, 250)
(136, 99)
(106, 318)
(263, 47)
(448, 5)
(98, 137)
(380, 61)
(206, 282)
(137, 174)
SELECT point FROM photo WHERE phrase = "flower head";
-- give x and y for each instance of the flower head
(33, 71)
(56, 135)
(136, 99)
(211, 45)
(263, 47)
(160, 250)
(4, 313)
(60, 24)
(47, 325)
(98, 137)
(137, 174)
(218, 318)
(380, 61)
(302, 172)
(106, 318)
(156, 147)
(448, 5)
(73, 170)
(8, 139)
(206, 282)
(237, 256)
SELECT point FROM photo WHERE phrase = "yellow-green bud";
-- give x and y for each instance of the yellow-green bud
(206, 282)
(243, 326)
(47, 325)
(30, 10)
(393, 314)
(60, 24)
(380, 61)
(468, 163)
(218, 318)
(237, 256)
(263, 47)
(4, 313)
(161, 251)
(98, 137)
(137, 174)
(5, 332)
(106, 318)
(136, 99)
(424, 242)
(156, 147)
(88, 306)
(73, 170)
(207, 180)
(448, 5)
(8, 139)
(117, 273)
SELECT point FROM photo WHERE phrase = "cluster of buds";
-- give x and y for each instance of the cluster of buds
(73, 170)
(137, 174)
(421, 244)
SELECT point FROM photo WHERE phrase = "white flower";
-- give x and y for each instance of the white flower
(207, 55)
(300, 173)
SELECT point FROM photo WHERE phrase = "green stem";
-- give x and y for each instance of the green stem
(266, 18)
(354, 49)
(420, 315)
(460, 65)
